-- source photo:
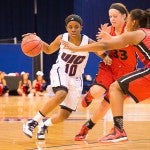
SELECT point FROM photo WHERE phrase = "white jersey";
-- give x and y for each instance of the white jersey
(72, 63)
(67, 72)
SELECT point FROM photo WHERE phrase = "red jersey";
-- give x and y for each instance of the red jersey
(125, 58)
(123, 61)
(144, 48)
(137, 83)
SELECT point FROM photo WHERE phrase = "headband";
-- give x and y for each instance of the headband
(73, 17)
(119, 8)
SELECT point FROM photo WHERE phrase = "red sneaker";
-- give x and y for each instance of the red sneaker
(86, 101)
(82, 134)
(116, 135)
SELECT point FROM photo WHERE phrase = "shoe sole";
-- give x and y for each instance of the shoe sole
(123, 139)
(27, 135)
(81, 139)
(40, 138)
(24, 131)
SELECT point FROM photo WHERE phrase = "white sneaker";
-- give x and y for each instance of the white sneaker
(42, 131)
(29, 127)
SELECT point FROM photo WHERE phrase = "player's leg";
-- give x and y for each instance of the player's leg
(132, 84)
(116, 101)
(98, 114)
(67, 106)
(48, 107)
(94, 92)
(60, 116)
(60, 88)
(102, 82)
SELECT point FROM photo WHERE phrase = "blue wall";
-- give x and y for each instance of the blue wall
(13, 60)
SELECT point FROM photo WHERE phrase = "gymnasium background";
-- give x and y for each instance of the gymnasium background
(46, 18)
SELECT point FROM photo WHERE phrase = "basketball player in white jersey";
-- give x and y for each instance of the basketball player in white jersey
(65, 77)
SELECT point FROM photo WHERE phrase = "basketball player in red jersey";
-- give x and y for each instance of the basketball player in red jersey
(135, 84)
(123, 61)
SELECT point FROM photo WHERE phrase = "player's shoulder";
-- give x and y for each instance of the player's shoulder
(88, 38)
(60, 36)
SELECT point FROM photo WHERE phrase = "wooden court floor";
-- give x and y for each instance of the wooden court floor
(15, 110)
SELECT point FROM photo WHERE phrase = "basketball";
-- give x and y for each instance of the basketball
(31, 45)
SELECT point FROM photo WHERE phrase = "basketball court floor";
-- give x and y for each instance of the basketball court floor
(15, 110)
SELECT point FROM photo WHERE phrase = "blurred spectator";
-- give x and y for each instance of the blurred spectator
(24, 86)
(38, 85)
(4, 91)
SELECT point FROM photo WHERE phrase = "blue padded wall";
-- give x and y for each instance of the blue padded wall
(12, 59)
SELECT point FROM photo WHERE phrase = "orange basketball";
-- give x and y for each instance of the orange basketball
(31, 45)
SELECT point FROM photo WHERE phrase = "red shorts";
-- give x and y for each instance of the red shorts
(104, 76)
(108, 74)
(136, 84)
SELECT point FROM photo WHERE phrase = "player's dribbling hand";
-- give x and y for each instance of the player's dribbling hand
(27, 34)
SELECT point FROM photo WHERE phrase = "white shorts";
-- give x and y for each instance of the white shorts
(73, 84)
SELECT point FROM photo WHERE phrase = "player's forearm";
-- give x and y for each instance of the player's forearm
(93, 47)
(49, 49)
(45, 48)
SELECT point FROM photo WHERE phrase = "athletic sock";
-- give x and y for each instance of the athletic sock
(48, 122)
(118, 122)
(38, 117)
(89, 124)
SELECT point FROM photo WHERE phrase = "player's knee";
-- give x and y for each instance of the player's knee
(114, 87)
(64, 117)
(61, 95)
(97, 91)
(67, 115)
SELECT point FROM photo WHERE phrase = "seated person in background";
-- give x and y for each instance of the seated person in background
(4, 91)
(24, 86)
(38, 85)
